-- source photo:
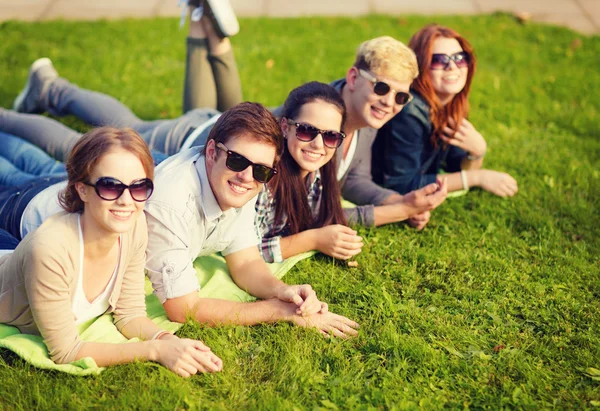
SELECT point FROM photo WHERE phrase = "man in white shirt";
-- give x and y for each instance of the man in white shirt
(204, 203)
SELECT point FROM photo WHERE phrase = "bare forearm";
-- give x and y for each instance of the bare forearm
(215, 312)
(467, 164)
(255, 278)
(298, 243)
(455, 182)
(105, 354)
(392, 213)
(142, 327)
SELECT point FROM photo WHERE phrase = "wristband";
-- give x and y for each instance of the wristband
(471, 157)
(159, 334)
(463, 176)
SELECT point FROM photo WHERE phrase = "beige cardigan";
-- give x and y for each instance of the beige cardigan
(38, 283)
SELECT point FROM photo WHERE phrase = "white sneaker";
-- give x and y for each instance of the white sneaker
(219, 11)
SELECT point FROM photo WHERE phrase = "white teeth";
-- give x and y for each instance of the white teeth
(451, 78)
(237, 188)
(122, 213)
(312, 155)
(378, 110)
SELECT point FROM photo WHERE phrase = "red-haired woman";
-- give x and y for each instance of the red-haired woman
(432, 132)
(90, 259)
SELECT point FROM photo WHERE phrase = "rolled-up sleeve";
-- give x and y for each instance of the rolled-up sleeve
(362, 215)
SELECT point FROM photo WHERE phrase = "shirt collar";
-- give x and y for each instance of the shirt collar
(311, 184)
(209, 204)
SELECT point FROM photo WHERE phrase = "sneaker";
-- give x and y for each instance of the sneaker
(41, 73)
(223, 17)
(219, 11)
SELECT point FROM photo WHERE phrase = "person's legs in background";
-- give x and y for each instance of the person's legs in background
(211, 75)
(27, 157)
(51, 136)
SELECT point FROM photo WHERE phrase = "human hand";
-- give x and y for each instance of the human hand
(498, 183)
(338, 241)
(187, 357)
(425, 199)
(419, 221)
(465, 136)
(303, 296)
(327, 323)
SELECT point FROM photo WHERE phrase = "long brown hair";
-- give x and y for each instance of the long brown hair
(288, 188)
(458, 107)
(89, 149)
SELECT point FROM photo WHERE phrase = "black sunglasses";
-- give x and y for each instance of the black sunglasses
(237, 162)
(442, 61)
(306, 132)
(382, 88)
(109, 188)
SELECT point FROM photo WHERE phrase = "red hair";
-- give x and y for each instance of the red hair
(458, 108)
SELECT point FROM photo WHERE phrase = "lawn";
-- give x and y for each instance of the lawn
(494, 305)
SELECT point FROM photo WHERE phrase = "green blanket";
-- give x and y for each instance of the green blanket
(215, 282)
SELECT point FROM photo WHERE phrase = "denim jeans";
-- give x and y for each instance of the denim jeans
(7, 241)
(22, 162)
(14, 200)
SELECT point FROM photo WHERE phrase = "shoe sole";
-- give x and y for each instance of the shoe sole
(222, 14)
(23, 94)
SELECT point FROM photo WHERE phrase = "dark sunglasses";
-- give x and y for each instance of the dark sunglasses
(237, 162)
(109, 188)
(306, 132)
(442, 61)
(382, 88)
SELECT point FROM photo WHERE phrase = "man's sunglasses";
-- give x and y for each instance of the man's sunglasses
(382, 88)
(237, 162)
(306, 132)
(109, 188)
(442, 61)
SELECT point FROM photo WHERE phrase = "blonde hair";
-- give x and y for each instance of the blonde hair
(386, 56)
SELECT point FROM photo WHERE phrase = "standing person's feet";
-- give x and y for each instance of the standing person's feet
(220, 12)
(41, 74)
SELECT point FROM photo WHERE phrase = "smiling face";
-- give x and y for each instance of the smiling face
(368, 108)
(450, 81)
(234, 189)
(312, 155)
(117, 216)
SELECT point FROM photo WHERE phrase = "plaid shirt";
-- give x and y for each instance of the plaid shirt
(268, 230)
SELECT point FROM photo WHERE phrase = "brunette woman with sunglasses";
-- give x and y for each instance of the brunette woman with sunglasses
(300, 209)
(89, 260)
(432, 134)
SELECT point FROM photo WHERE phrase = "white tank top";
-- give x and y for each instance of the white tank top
(82, 308)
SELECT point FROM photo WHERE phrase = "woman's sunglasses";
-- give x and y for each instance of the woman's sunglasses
(109, 188)
(382, 88)
(237, 162)
(442, 61)
(306, 132)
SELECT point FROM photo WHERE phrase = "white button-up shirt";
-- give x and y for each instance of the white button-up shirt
(185, 221)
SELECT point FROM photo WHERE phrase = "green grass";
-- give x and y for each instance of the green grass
(494, 305)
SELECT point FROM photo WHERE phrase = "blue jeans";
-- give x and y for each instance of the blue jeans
(14, 200)
(7, 241)
(22, 162)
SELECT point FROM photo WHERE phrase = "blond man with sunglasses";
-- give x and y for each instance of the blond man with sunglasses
(374, 90)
